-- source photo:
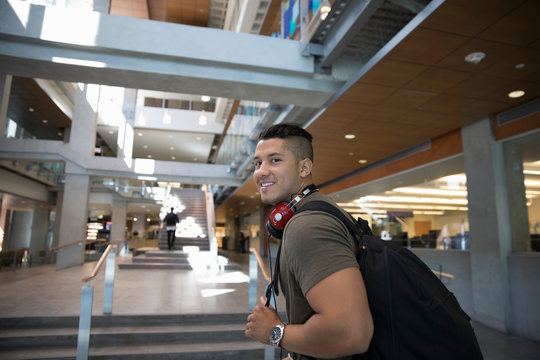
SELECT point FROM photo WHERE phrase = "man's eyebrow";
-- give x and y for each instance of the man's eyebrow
(269, 155)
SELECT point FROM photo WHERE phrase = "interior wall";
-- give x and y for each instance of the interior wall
(524, 272)
(20, 230)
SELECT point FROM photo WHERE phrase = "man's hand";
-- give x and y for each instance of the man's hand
(261, 321)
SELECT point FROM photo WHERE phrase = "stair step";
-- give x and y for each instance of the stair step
(241, 350)
(131, 337)
(155, 259)
(154, 265)
(165, 253)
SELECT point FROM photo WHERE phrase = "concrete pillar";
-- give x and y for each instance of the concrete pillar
(5, 90)
(57, 217)
(83, 126)
(517, 201)
(73, 220)
(118, 219)
(489, 224)
(125, 130)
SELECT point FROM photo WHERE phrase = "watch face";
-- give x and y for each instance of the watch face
(275, 335)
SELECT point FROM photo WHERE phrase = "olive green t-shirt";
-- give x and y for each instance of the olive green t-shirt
(315, 245)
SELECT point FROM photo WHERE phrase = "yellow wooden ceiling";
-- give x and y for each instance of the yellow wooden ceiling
(423, 88)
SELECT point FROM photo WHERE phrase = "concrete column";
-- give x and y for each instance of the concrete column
(40, 230)
(489, 224)
(57, 217)
(125, 130)
(118, 219)
(73, 219)
(82, 136)
(517, 201)
(5, 90)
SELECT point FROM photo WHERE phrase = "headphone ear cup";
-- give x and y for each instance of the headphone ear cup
(278, 218)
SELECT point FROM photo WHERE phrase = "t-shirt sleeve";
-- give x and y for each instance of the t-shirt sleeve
(316, 246)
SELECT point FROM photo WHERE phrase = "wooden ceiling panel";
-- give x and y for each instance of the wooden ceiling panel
(188, 12)
(506, 68)
(131, 8)
(519, 27)
(426, 46)
(407, 99)
(469, 18)
(445, 103)
(363, 93)
(494, 51)
(437, 80)
(157, 9)
(479, 86)
(393, 73)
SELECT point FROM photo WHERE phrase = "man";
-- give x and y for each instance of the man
(170, 221)
(326, 302)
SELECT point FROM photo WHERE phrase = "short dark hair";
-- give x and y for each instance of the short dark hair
(298, 139)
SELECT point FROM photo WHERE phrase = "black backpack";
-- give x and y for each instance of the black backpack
(171, 219)
(415, 316)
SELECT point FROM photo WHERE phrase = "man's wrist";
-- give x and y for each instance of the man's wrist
(276, 334)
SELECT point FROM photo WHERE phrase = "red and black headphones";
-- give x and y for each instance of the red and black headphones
(284, 211)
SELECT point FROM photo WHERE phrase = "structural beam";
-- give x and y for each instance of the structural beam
(80, 164)
(69, 45)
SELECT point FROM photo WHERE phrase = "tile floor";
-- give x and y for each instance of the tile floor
(44, 291)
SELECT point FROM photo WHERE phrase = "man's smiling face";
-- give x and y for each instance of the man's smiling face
(277, 172)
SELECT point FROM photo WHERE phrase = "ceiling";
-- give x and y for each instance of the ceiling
(418, 90)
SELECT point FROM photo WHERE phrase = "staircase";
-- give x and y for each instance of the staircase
(193, 221)
(141, 337)
(170, 260)
(161, 259)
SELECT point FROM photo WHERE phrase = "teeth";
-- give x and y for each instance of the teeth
(267, 184)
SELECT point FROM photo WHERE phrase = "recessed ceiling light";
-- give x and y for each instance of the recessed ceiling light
(139, 134)
(173, 157)
(516, 93)
(44, 121)
(205, 98)
(171, 148)
(475, 57)
(111, 132)
(362, 161)
(145, 146)
(198, 138)
(149, 156)
(519, 66)
(60, 134)
(195, 159)
(31, 109)
(350, 136)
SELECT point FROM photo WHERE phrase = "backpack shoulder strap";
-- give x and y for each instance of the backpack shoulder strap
(360, 228)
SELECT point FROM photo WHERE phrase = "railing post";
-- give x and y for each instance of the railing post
(252, 281)
(109, 283)
(85, 319)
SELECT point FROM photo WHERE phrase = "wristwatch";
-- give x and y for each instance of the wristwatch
(276, 334)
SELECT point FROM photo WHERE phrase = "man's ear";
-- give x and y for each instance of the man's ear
(306, 166)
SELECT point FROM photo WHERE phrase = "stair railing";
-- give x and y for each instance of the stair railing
(254, 260)
(87, 298)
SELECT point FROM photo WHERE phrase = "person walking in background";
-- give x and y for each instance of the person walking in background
(170, 221)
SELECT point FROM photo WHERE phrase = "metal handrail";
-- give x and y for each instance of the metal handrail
(94, 272)
(261, 263)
